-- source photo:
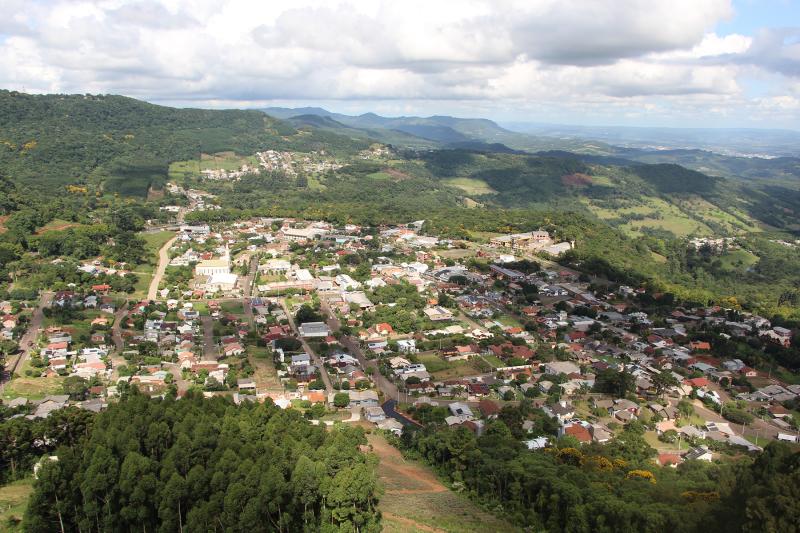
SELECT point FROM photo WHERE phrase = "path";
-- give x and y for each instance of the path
(28, 339)
(163, 261)
(209, 349)
(416, 500)
(323, 373)
(117, 359)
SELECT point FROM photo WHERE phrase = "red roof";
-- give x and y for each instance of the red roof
(666, 459)
(698, 382)
(579, 432)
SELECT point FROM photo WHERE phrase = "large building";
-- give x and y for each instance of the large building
(518, 241)
(212, 267)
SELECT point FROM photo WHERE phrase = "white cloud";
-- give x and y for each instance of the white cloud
(629, 56)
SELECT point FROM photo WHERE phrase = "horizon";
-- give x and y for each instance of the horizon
(699, 64)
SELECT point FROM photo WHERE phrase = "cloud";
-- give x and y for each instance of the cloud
(631, 56)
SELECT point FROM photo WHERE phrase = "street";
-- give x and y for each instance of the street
(28, 339)
(323, 373)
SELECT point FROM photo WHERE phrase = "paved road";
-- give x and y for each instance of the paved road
(323, 373)
(163, 261)
(28, 339)
(247, 289)
(389, 389)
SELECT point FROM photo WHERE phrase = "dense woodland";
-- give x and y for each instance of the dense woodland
(195, 465)
(611, 488)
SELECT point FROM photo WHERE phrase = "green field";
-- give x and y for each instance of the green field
(656, 213)
(470, 185)
(219, 160)
(13, 502)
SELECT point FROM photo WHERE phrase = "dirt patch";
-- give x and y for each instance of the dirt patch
(57, 227)
(397, 174)
(154, 194)
(412, 523)
(3, 219)
(577, 180)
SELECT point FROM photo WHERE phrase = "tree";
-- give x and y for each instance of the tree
(76, 387)
(663, 380)
(341, 400)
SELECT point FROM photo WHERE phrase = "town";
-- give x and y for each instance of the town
(394, 327)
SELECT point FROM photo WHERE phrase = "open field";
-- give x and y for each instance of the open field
(738, 260)
(32, 388)
(656, 213)
(57, 225)
(219, 160)
(416, 501)
(470, 185)
(13, 502)
(153, 243)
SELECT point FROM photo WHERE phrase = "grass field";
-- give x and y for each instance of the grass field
(738, 260)
(32, 388)
(470, 185)
(416, 501)
(220, 160)
(153, 243)
(658, 214)
(232, 307)
(57, 225)
(13, 502)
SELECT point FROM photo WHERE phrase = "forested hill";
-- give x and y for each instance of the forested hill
(196, 465)
(49, 141)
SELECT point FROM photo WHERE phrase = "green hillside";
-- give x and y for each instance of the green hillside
(49, 141)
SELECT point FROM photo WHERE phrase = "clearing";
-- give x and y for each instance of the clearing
(470, 185)
(415, 500)
(13, 502)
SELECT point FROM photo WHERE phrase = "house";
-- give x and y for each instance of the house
(561, 367)
(367, 398)
(438, 313)
(561, 411)
(407, 346)
(698, 454)
(314, 330)
(669, 459)
(232, 349)
(577, 431)
(246, 384)
(461, 411)
(489, 409)
(374, 414)
(384, 329)
(390, 424)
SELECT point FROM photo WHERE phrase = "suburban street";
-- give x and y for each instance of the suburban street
(389, 389)
(316, 358)
(28, 339)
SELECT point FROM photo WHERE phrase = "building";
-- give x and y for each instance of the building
(314, 330)
(210, 267)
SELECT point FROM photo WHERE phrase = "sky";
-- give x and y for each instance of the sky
(680, 63)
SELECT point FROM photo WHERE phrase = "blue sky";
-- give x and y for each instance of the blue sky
(683, 63)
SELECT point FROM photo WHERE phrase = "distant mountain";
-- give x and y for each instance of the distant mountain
(746, 142)
(442, 131)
